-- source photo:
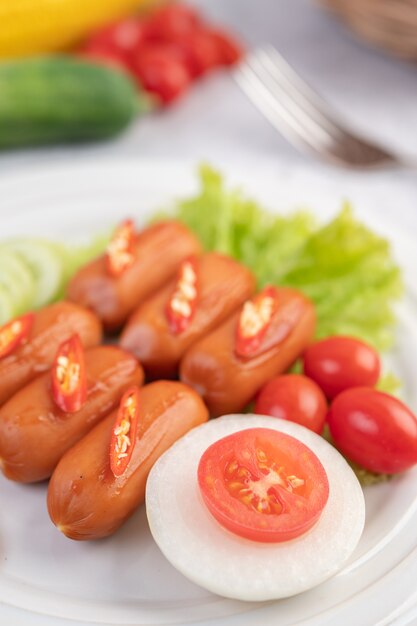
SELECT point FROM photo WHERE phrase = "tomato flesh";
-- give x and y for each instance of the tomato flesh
(339, 363)
(263, 485)
(14, 333)
(374, 429)
(124, 432)
(295, 398)
(69, 382)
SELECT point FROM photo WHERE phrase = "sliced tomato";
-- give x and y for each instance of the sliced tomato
(263, 485)
(14, 333)
(120, 253)
(254, 319)
(172, 22)
(124, 433)
(69, 382)
(182, 303)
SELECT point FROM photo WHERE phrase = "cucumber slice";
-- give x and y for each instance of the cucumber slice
(6, 306)
(45, 262)
(17, 280)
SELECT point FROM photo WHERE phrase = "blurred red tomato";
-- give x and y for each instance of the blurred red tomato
(202, 52)
(121, 38)
(229, 49)
(161, 70)
(172, 22)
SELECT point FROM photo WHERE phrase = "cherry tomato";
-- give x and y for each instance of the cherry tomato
(160, 70)
(338, 363)
(172, 22)
(295, 398)
(120, 39)
(202, 52)
(374, 429)
(263, 485)
(14, 333)
(124, 433)
(230, 50)
(69, 382)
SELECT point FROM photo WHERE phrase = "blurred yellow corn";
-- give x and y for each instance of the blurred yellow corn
(35, 26)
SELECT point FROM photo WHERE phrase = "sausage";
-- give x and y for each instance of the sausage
(158, 251)
(223, 285)
(85, 500)
(225, 380)
(51, 325)
(35, 433)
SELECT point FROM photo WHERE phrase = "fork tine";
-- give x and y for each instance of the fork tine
(271, 108)
(305, 96)
(281, 110)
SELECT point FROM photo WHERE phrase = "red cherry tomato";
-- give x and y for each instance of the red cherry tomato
(263, 485)
(230, 50)
(121, 38)
(202, 52)
(374, 429)
(295, 398)
(172, 22)
(160, 70)
(338, 363)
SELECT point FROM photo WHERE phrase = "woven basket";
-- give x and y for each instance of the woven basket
(390, 24)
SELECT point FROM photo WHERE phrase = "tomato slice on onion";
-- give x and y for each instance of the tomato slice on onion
(124, 432)
(69, 382)
(263, 485)
(15, 333)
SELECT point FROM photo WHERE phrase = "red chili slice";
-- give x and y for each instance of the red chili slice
(182, 304)
(14, 333)
(120, 252)
(124, 432)
(69, 383)
(255, 317)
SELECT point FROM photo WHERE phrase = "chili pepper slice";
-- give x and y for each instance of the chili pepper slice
(14, 333)
(182, 303)
(124, 432)
(120, 252)
(254, 319)
(69, 382)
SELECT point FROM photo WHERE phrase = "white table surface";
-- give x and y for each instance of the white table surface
(216, 123)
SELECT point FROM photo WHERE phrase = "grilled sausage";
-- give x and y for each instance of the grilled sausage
(51, 325)
(226, 380)
(85, 499)
(222, 285)
(158, 251)
(35, 433)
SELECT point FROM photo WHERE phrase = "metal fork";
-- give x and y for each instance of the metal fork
(299, 113)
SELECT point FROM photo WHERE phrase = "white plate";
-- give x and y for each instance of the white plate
(125, 579)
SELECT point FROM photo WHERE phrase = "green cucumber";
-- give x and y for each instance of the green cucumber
(55, 99)
(45, 264)
(17, 281)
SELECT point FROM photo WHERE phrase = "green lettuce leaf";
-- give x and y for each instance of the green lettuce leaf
(345, 268)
